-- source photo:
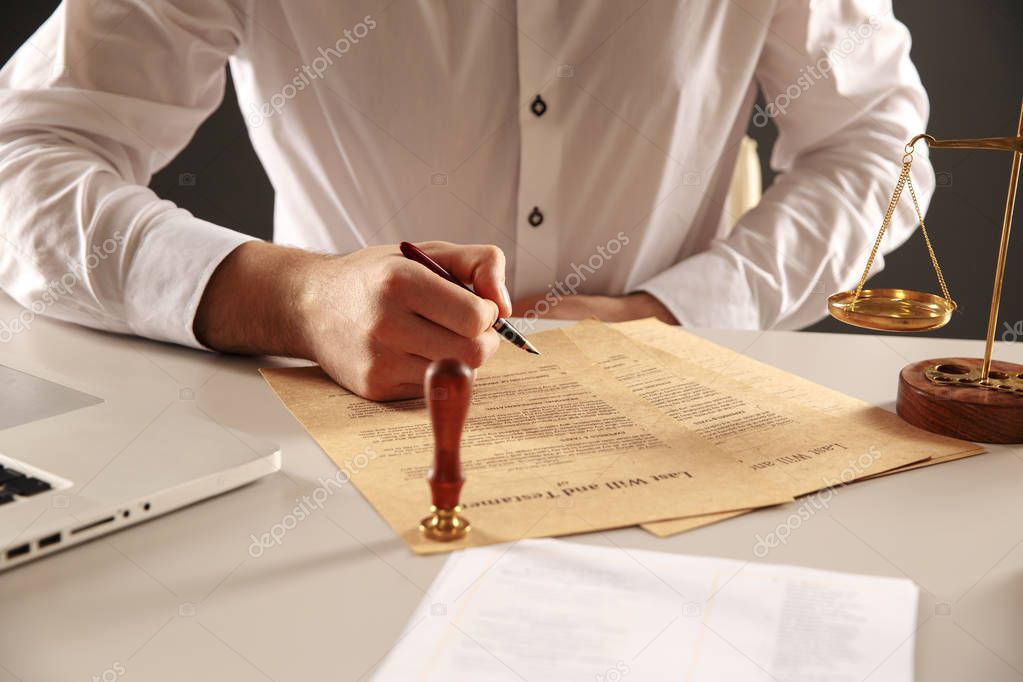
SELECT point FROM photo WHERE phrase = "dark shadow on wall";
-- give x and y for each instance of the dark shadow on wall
(968, 55)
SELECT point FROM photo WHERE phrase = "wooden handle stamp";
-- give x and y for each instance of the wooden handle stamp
(448, 389)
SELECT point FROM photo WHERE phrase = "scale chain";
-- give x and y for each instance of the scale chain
(903, 181)
(927, 241)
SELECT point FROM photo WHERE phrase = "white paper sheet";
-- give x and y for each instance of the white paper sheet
(555, 610)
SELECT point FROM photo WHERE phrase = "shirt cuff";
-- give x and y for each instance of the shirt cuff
(707, 290)
(169, 273)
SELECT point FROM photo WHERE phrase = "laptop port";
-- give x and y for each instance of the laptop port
(49, 540)
(90, 526)
(15, 552)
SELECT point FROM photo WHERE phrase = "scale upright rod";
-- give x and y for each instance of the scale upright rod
(1003, 247)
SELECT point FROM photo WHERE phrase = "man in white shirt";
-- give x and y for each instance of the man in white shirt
(585, 148)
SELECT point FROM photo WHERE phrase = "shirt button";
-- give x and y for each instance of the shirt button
(536, 218)
(538, 106)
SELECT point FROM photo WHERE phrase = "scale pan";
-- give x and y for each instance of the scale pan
(891, 310)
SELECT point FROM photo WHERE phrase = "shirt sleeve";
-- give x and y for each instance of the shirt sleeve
(101, 97)
(839, 84)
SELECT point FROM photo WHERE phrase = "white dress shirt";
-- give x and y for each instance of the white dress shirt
(596, 138)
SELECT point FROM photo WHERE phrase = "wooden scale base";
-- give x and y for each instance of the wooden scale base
(950, 396)
(945, 396)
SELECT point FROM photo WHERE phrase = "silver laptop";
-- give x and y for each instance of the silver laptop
(74, 467)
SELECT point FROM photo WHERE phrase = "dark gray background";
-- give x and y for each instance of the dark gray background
(969, 56)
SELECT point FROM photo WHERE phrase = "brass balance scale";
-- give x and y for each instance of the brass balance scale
(970, 398)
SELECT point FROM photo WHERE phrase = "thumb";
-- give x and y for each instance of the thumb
(481, 265)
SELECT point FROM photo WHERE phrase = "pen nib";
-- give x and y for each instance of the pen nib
(530, 348)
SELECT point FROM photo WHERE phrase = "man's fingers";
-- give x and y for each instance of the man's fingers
(481, 265)
(419, 336)
(442, 302)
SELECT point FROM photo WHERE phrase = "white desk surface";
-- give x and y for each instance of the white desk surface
(181, 598)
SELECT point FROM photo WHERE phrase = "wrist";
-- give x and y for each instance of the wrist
(260, 300)
(305, 289)
(643, 304)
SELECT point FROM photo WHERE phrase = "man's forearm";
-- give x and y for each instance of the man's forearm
(255, 302)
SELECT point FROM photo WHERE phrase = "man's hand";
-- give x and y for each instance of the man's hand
(605, 308)
(372, 319)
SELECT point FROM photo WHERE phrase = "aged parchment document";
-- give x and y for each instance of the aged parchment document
(726, 391)
(553, 445)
